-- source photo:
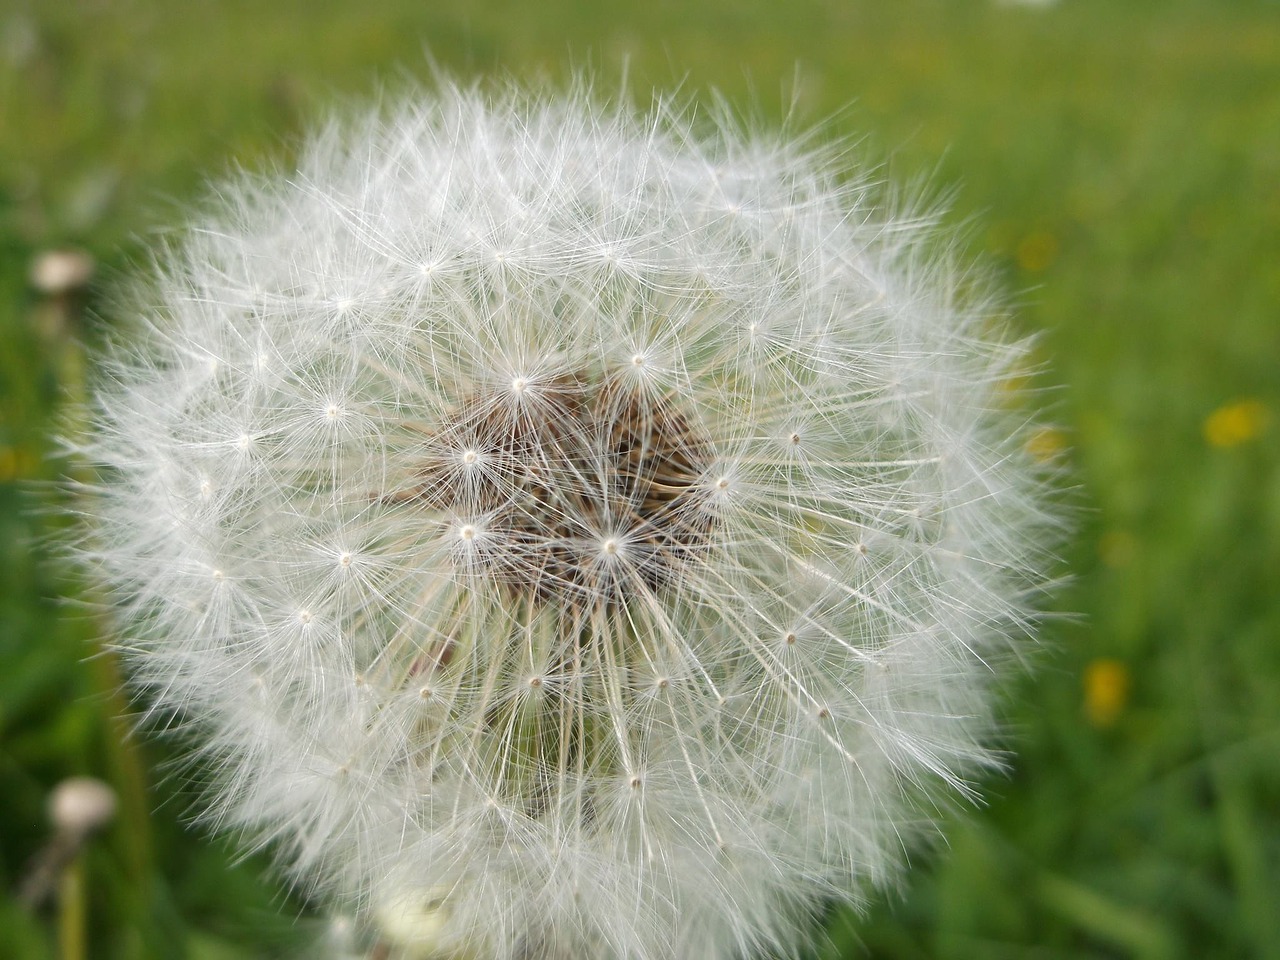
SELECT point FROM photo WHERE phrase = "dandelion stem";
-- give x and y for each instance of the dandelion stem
(72, 911)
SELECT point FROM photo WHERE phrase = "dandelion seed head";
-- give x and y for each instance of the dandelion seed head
(623, 517)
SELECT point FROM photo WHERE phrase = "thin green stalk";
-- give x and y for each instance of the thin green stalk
(72, 911)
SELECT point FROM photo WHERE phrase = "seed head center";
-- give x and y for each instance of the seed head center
(572, 472)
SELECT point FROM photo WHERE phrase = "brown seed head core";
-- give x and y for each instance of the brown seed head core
(570, 488)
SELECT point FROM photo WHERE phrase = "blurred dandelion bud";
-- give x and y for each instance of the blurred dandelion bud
(78, 808)
(80, 805)
(571, 532)
(61, 277)
(57, 273)
(413, 925)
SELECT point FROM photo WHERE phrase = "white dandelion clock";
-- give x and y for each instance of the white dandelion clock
(571, 533)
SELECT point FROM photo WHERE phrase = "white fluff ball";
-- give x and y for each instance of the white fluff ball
(597, 526)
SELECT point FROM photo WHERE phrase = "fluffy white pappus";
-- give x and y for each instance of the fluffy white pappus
(582, 531)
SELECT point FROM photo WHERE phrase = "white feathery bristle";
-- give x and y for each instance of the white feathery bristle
(573, 531)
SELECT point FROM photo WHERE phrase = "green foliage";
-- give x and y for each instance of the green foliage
(1122, 161)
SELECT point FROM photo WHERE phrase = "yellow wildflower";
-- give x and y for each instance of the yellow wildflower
(1106, 691)
(1116, 547)
(14, 464)
(1046, 444)
(1037, 250)
(1236, 423)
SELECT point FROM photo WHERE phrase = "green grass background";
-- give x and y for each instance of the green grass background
(1119, 166)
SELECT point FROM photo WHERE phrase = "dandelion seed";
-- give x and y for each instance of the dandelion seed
(689, 525)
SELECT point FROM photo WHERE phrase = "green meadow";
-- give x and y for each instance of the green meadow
(1116, 165)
